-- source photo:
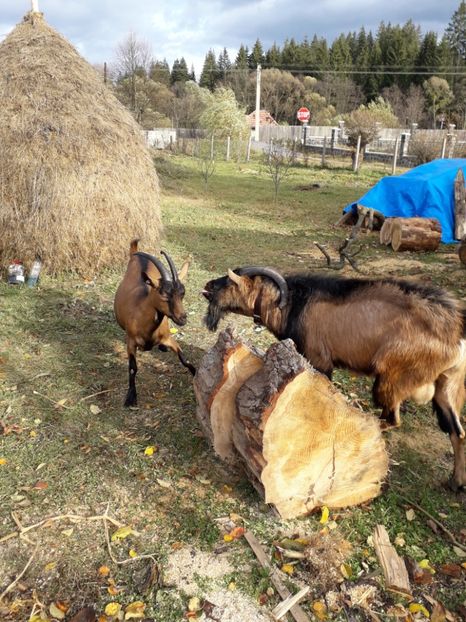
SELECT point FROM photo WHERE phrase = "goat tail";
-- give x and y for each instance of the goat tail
(133, 247)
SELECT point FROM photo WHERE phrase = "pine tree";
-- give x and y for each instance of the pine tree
(179, 71)
(257, 55)
(224, 64)
(427, 61)
(273, 57)
(160, 72)
(340, 55)
(210, 72)
(456, 33)
(290, 54)
(241, 61)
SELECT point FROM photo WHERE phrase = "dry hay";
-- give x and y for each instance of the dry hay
(76, 180)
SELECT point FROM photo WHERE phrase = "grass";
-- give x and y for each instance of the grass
(68, 445)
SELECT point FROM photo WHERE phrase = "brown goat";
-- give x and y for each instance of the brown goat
(146, 298)
(409, 336)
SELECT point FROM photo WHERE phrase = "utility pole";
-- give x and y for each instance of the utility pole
(258, 103)
(35, 6)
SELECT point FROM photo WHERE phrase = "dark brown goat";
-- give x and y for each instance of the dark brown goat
(409, 336)
(146, 298)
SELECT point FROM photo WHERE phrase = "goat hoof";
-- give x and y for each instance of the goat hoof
(456, 486)
(130, 401)
(192, 369)
(163, 348)
(385, 426)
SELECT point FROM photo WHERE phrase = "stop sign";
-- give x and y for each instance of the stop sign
(303, 115)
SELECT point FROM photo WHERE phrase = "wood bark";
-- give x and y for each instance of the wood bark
(462, 251)
(460, 206)
(385, 235)
(415, 234)
(303, 446)
(394, 569)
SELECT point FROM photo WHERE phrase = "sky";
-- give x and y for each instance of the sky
(189, 28)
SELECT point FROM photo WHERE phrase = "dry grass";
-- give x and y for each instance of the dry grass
(76, 180)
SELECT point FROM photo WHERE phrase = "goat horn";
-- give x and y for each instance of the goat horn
(172, 266)
(158, 264)
(271, 274)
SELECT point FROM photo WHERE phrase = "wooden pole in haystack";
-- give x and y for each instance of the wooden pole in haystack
(35, 6)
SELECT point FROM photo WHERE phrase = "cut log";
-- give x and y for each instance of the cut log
(462, 251)
(372, 218)
(394, 569)
(460, 206)
(415, 234)
(302, 440)
(220, 375)
(385, 235)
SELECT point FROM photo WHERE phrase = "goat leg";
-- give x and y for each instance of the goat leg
(172, 344)
(458, 479)
(131, 396)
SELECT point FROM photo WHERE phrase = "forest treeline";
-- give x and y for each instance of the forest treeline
(421, 76)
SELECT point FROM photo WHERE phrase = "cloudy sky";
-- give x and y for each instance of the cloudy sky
(189, 28)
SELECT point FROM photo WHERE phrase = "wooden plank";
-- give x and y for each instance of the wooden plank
(460, 206)
(281, 609)
(394, 569)
(298, 614)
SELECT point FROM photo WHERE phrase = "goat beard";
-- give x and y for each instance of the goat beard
(213, 316)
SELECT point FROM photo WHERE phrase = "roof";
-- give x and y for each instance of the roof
(265, 118)
(426, 191)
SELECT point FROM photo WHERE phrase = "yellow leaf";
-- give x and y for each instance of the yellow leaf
(132, 553)
(3, 461)
(288, 568)
(320, 610)
(112, 590)
(112, 609)
(228, 537)
(194, 604)
(121, 533)
(68, 532)
(173, 330)
(55, 612)
(38, 618)
(104, 571)
(135, 610)
(325, 515)
(95, 410)
(410, 514)
(424, 563)
(50, 566)
(463, 565)
(346, 571)
(417, 607)
(232, 586)
(33, 434)
(149, 451)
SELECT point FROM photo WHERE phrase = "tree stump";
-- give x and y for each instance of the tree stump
(302, 444)
(460, 206)
(416, 234)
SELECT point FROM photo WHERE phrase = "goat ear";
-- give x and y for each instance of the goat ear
(237, 279)
(147, 280)
(182, 274)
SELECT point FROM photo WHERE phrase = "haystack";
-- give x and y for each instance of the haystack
(76, 180)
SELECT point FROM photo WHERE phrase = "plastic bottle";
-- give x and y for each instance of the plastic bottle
(16, 273)
(34, 272)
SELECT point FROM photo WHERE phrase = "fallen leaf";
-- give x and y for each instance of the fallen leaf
(95, 410)
(40, 485)
(56, 612)
(288, 568)
(132, 553)
(163, 483)
(104, 571)
(68, 532)
(424, 563)
(438, 613)
(410, 514)
(346, 571)
(325, 515)
(50, 566)
(232, 586)
(113, 590)
(418, 608)
(3, 461)
(400, 541)
(112, 609)
(320, 610)
(135, 610)
(149, 451)
(61, 403)
(173, 330)
(459, 551)
(194, 604)
(228, 538)
(121, 533)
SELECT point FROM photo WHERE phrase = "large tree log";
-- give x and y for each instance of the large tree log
(302, 444)
(460, 206)
(221, 373)
(416, 234)
(385, 235)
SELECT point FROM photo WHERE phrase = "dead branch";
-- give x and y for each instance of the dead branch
(343, 249)
(21, 574)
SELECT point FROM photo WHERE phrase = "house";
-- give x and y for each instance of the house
(265, 118)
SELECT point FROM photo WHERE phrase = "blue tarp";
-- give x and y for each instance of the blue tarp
(427, 191)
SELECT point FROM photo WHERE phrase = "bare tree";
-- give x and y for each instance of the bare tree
(278, 159)
(133, 57)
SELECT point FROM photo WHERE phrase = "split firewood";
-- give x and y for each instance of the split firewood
(219, 377)
(460, 206)
(394, 569)
(385, 235)
(415, 234)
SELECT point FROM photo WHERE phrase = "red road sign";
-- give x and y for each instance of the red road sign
(303, 115)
